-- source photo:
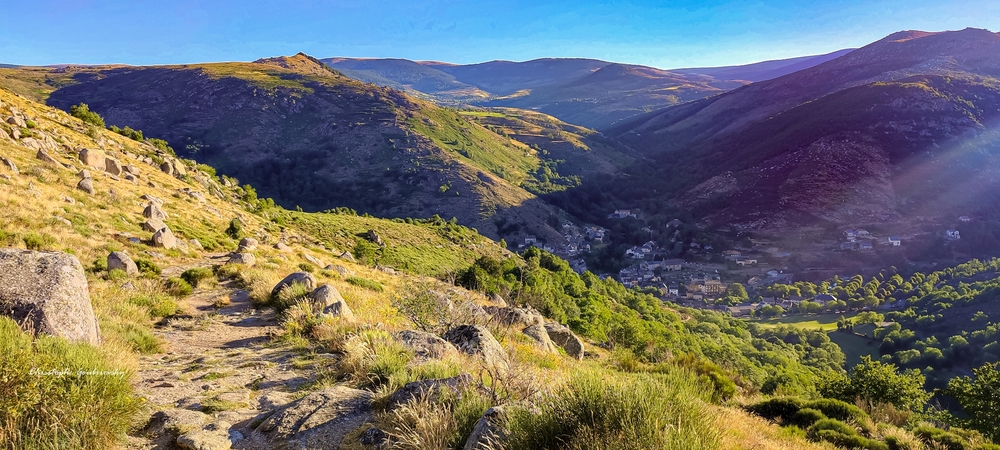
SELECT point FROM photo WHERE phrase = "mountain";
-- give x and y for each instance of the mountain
(902, 128)
(764, 70)
(587, 92)
(305, 135)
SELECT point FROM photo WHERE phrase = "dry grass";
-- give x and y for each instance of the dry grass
(739, 430)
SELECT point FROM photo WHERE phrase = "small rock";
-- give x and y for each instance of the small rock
(9, 165)
(195, 244)
(425, 345)
(347, 256)
(432, 389)
(121, 261)
(86, 185)
(282, 247)
(488, 433)
(498, 300)
(131, 178)
(313, 259)
(45, 157)
(343, 271)
(246, 259)
(541, 337)
(64, 221)
(167, 168)
(133, 170)
(151, 199)
(153, 225)
(67, 199)
(164, 238)
(205, 440)
(248, 243)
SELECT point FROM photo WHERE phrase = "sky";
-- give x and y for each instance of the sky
(664, 34)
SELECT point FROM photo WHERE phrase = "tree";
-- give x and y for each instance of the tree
(879, 383)
(737, 290)
(83, 112)
(980, 399)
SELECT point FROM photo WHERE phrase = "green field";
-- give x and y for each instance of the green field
(854, 347)
(826, 322)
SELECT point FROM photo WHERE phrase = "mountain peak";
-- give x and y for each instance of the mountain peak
(300, 62)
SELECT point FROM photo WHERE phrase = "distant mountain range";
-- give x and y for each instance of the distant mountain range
(902, 128)
(587, 92)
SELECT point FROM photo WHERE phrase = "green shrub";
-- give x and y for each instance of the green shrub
(138, 337)
(942, 438)
(59, 394)
(625, 412)
(290, 296)
(850, 440)
(117, 274)
(146, 267)
(805, 417)
(195, 275)
(235, 229)
(836, 409)
(782, 408)
(365, 283)
(206, 168)
(38, 241)
(158, 305)
(83, 112)
(99, 265)
(178, 287)
(306, 267)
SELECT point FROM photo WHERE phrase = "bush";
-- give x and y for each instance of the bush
(195, 275)
(146, 267)
(806, 417)
(373, 358)
(158, 305)
(83, 112)
(289, 296)
(38, 241)
(625, 412)
(782, 408)
(836, 409)
(178, 287)
(306, 267)
(365, 283)
(59, 394)
(235, 229)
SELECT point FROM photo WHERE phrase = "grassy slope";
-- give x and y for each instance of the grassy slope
(854, 347)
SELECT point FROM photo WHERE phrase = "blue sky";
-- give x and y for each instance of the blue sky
(665, 34)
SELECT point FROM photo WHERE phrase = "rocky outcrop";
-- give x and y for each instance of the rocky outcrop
(515, 316)
(121, 261)
(327, 300)
(565, 339)
(319, 420)
(47, 292)
(488, 433)
(431, 389)
(541, 337)
(477, 340)
(425, 345)
(304, 278)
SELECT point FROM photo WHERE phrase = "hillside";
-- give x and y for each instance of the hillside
(197, 351)
(307, 136)
(587, 92)
(878, 135)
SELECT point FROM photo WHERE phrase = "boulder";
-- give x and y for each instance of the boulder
(4, 136)
(304, 278)
(498, 300)
(488, 433)
(179, 170)
(167, 168)
(9, 165)
(45, 157)
(282, 247)
(248, 243)
(432, 389)
(164, 238)
(477, 340)
(121, 261)
(319, 420)
(564, 338)
(154, 211)
(425, 345)
(195, 244)
(214, 439)
(151, 199)
(131, 178)
(15, 133)
(246, 259)
(347, 256)
(375, 238)
(541, 337)
(92, 158)
(514, 316)
(343, 271)
(17, 120)
(84, 174)
(313, 259)
(112, 166)
(47, 292)
(131, 169)
(327, 300)
(86, 185)
(153, 225)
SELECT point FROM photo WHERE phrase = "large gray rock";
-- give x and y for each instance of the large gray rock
(17, 120)
(154, 211)
(477, 340)
(506, 315)
(488, 433)
(47, 292)
(246, 259)
(9, 165)
(319, 420)
(86, 185)
(327, 300)
(248, 244)
(313, 260)
(92, 158)
(564, 338)
(431, 389)
(45, 157)
(112, 166)
(167, 168)
(282, 247)
(347, 256)
(304, 278)
(121, 261)
(153, 225)
(164, 238)
(425, 345)
(541, 337)
(131, 169)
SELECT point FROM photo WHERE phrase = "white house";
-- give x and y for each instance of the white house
(895, 241)
(952, 234)
(965, 219)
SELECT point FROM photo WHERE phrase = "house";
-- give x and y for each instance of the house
(673, 291)
(732, 255)
(823, 299)
(635, 253)
(755, 282)
(648, 247)
(952, 234)
(530, 240)
(895, 241)
(865, 246)
(862, 233)
(672, 264)
(708, 284)
(965, 219)
(744, 261)
(621, 214)
(674, 223)
(851, 234)
(740, 311)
